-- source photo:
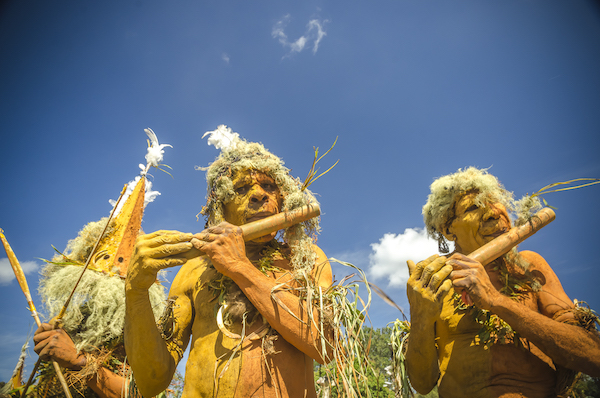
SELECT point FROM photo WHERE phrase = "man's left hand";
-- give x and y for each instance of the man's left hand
(55, 344)
(470, 276)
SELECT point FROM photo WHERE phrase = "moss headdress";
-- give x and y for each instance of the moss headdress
(440, 206)
(237, 154)
(96, 315)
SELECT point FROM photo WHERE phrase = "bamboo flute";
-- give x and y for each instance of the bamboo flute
(20, 275)
(503, 243)
(256, 229)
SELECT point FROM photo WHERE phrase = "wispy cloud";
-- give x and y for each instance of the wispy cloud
(389, 256)
(7, 274)
(225, 57)
(315, 32)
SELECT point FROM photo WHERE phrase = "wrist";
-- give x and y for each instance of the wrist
(498, 303)
(80, 362)
(425, 318)
(135, 294)
(136, 283)
(240, 268)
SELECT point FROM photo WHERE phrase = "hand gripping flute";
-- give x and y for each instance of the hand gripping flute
(503, 243)
(256, 229)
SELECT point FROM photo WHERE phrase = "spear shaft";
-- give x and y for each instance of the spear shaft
(57, 319)
(20, 275)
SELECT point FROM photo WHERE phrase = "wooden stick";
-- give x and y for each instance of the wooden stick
(33, 372)
(20, 275)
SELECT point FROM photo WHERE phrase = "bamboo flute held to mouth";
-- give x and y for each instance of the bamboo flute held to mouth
(256, 229)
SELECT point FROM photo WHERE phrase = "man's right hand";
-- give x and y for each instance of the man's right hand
(153, 252)
(224, 245)
(426, 287)
(55, 344)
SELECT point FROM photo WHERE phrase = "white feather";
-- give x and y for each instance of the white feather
(222, 138)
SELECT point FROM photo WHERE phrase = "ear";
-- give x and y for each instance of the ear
(216, 216)
(448, 233)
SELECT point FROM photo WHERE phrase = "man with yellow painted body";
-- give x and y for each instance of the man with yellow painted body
(519, 334)
(253, 333)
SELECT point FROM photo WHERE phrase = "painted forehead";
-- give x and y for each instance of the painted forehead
(246, 176)
(465, 200)
(470, 198)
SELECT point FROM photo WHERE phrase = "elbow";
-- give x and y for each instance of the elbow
(592, 368)
(422, 388)
(420, 382)
(151, 386)
(586, 359)
(322, 350)
(325, 359)
(421, 385)
(152, 376)
(325, 348)
(325, 355)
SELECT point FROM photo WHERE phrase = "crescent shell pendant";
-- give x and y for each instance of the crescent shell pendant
(257, 334)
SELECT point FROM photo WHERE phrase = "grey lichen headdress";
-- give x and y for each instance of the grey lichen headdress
(97, 311)
(439, 209)
(237, 154)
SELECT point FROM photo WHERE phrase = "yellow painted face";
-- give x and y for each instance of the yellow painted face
(256, 196)
(473, 226)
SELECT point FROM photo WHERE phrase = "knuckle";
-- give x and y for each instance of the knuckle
(161, 240)
(143, 252)
(163, 250)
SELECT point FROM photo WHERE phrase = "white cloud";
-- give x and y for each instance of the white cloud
(225, 57)
(318, 25)
(314, 34)
(7, 274)
(388, 258)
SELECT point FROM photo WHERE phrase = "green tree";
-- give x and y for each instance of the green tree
(586, 386)
(377, 342)
(380, 357)
(175, 389)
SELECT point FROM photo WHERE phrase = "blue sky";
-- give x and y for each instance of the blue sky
(413, 89)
